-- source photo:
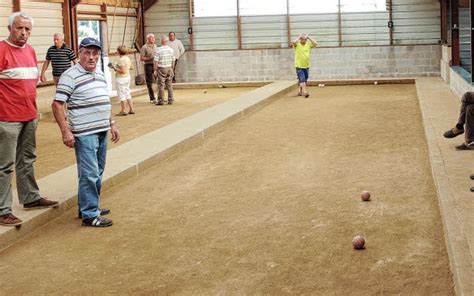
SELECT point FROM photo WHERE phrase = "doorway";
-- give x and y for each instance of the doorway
(91, 28)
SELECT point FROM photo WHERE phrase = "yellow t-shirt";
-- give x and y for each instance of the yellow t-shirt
(303, 54)
(125, 63)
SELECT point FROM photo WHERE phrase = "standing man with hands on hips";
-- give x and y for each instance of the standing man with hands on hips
(84, 88)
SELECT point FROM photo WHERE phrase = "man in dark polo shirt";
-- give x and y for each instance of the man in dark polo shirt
(60, 56)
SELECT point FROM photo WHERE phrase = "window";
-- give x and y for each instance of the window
(262, 7)
(363, 5)
(313, 7)
(205, 8)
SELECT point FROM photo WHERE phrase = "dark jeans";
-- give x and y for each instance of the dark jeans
(466, 116)
(149, 80)
(91, 151)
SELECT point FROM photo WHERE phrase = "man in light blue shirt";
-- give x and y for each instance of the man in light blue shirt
(84, 89)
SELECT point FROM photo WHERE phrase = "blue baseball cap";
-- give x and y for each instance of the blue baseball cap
(89, 41)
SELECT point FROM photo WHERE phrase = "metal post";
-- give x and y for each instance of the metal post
(190, 28)
(239, 26)
(444, 21)
(471, 11)
(455, 32)
(16, 5)
(67, 22)
(288, 21)
(339, 18)
(390, 21)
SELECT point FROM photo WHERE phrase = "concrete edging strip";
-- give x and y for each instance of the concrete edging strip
(456, 241)
(135, 156)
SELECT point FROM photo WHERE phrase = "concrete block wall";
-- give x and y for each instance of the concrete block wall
(327, 63)
(458, 84)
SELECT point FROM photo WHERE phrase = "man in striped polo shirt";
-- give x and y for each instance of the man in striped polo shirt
(18, 78)
(60, 56)
(164, 59)
(84, 89)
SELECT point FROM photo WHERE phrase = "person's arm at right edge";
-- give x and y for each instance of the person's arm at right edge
(181, 48)
(114, 132)
(43, 70)
(59, 115)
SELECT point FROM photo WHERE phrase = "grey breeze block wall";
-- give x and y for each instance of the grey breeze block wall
(327, 63)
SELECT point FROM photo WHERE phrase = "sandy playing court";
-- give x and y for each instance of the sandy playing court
(53, 155)
(268, 205)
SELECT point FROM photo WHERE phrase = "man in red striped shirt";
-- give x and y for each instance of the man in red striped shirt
(18, 79)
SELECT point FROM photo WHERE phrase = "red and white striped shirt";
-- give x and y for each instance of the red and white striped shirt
(18, 78)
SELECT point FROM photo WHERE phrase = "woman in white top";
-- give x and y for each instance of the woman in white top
(122, 80)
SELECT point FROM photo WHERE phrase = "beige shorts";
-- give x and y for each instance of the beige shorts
(123, 88)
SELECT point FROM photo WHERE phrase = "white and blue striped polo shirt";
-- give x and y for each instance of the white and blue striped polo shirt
(164, 55)
(88, 102)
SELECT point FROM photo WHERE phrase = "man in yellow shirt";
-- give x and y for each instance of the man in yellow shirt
(302, 60)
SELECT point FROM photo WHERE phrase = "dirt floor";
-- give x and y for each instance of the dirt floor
(269, 205)
(53, 155)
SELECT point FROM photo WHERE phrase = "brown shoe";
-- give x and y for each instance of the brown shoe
(465, 146)
(41, 203)
(9, 220)
(452, 133)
